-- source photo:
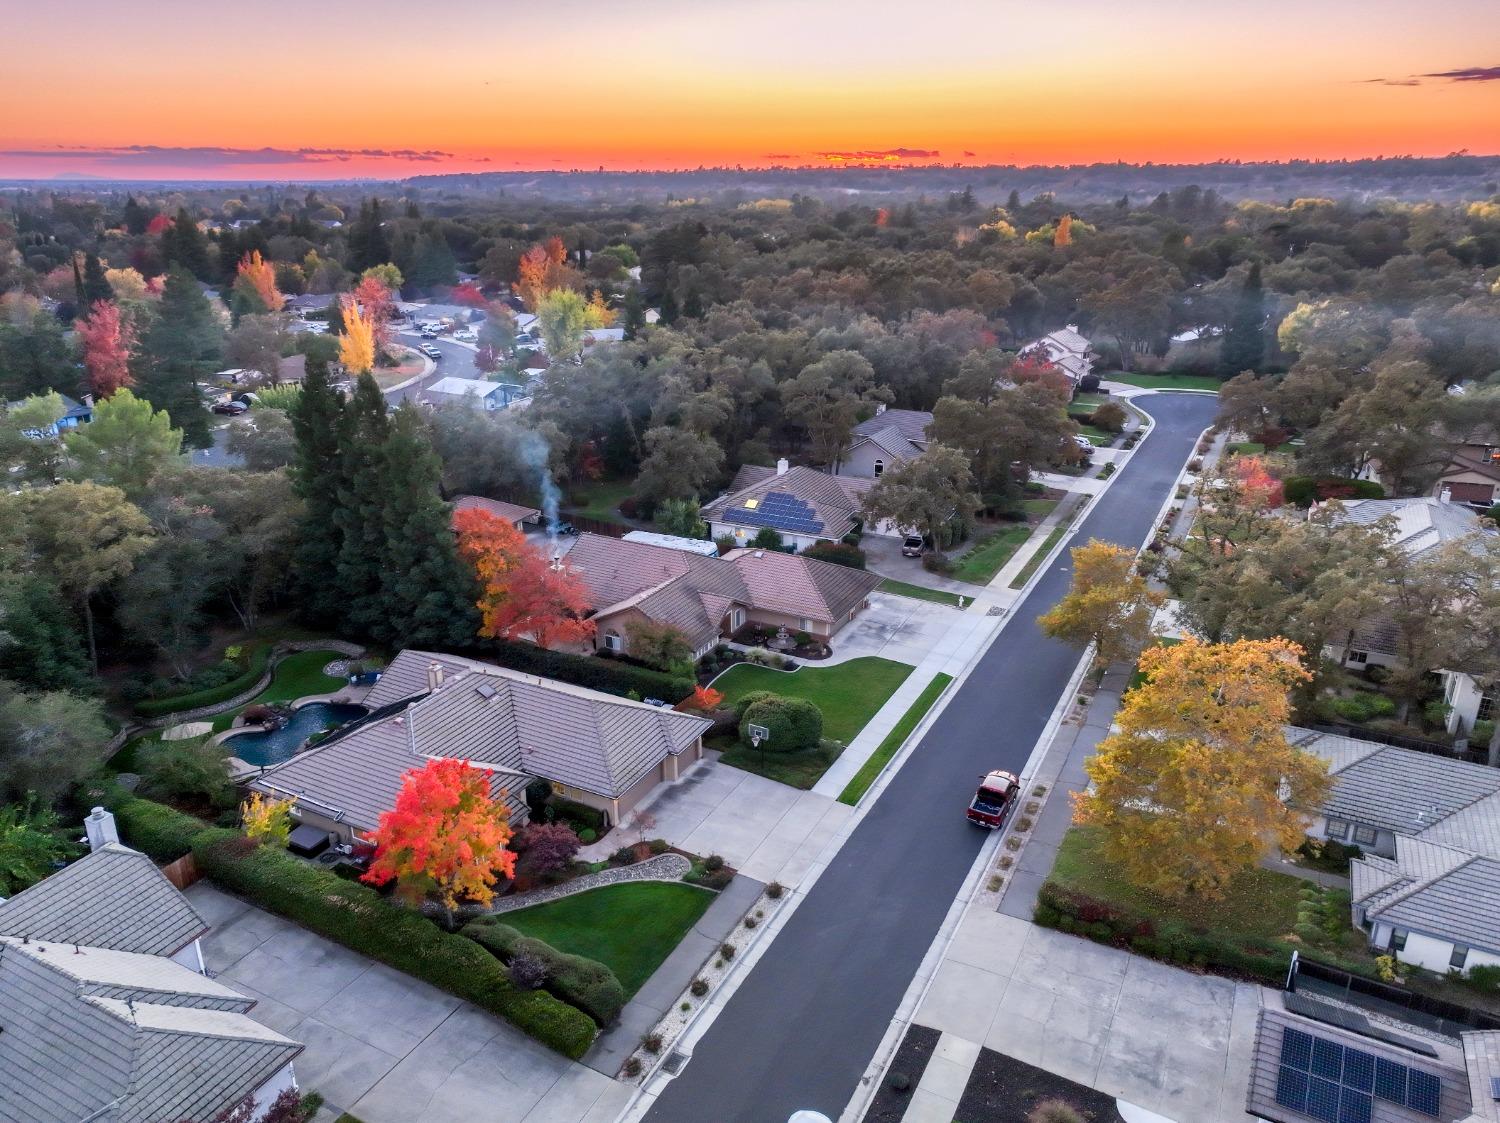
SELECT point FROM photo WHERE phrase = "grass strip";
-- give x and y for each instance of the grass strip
(894, 740)
(919, 592)
(1042, 551)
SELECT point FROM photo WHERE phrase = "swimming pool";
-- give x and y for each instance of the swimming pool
(272, 746)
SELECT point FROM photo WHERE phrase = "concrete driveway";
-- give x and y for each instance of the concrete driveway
(901, 628)
(384, 1046)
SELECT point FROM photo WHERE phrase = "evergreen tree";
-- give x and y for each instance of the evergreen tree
(635, 312)
(1244, 346)
(35, 358)
(692, 307)
(359, 515)
(95, 285)
(428, 596)
(230, 252)
(432, 264)
(136, 217)
(180, 348)
(1013, 201)
(184, 244)
(317, 421)
(41, 646)
(668, 309)
(368, 244)
(80, 293)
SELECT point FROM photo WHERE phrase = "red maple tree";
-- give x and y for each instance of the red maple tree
(158, 224)
(467, 293)
(1037, 368)
(107, 339)
(704, 699)
(445, 838)
(1257, 485)
(522, 596)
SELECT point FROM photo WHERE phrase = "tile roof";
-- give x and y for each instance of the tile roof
(117, 1037)
(1422, 523)
(1449, 894)
(516, 724)
(900, 432)
(1470, 459)
(830, 502)
(510, 512)
(799, 586)
(1482, 1060)
(112, 898)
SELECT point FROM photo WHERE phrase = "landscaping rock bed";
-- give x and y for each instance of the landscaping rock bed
(901, 1078)
(663, 867)
(1002, 1089)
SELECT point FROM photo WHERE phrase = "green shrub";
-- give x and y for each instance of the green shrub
(1484, 977)
(1435, 713)
(163, 833)
(1303, 490)
(608, 675)
(189, 771)
(357, 917)
(588, 818)
(1363, 706)
(838, 553)
(575, 979)
(1111, 417)
(211, 695)
(744, 702)
(794, 723)
(1482, 733)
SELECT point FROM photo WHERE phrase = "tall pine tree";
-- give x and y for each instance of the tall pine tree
(1244, 346)
(317, 420)
(359, 515)
(635, 312)
(428, 595)
(95, 284)
(180, 348)
(432, 262)
(136, 217)
(368, 244)
(184, 244)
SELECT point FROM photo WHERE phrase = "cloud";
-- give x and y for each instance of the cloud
(779, 156)
(1468, 74)
(867, 155)
(212, 156)
(1391, 82)
(967, 152)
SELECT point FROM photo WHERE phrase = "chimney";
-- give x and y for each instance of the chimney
(782, 466)
(879, 408)
(434, 675)
(100, 828)
(88, 401)
(1446, 495)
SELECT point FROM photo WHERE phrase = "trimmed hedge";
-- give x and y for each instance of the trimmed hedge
(590, 818)
(212, 695)
(610, 676)
(354, 915)
(163, 833)
(839, 553)
(1302, 490)
(575, 979)
(794, 724)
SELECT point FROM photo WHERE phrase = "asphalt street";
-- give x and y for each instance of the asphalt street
(805, 1022)
(456, 362)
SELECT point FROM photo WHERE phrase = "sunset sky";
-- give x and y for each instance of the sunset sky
(337, 89)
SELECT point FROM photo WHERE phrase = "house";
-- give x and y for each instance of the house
(594, 748)
(1472, 476)
(474, 392)
(891, 437)
(292, 370)
(106, 1013)
(593, 336)
(708, 598)
(1427, 887)
(1065, 349)
(513, 513)
(1316, 1062)
(75, 413)
(803, 505)
(1420, 525)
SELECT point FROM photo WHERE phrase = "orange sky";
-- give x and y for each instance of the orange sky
(386, 88)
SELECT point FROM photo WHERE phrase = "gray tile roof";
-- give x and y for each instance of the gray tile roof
(119, 1037)
(801, 586)
(1482, 1059)
(519, 725)
(113, 898)
(509, 512)
(1274, 1021)
(833, 501)
(1422, 524)
(1461, 906)
(910, 423)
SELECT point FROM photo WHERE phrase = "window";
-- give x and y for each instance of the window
(1458, 958)
(1487, 707)
(613, 642)
(737, 619)
(1359, 656)
(805, 624)
(1398, 939)
(1364, 836)
(879, 467)
(1337, 828)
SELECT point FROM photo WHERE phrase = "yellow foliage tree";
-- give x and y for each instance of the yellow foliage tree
(1199, 780)
(600, 314)
(357, 344)
(267, 820)
(1109, 603)
(1063, 236)
(259, 276)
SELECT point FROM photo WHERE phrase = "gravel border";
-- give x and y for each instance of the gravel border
(663, 867)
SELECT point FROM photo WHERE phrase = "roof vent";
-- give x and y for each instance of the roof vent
(485, 690)
(760, 553)
(1495, 1087)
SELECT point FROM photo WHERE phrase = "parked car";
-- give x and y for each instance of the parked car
(914, 546)
(430, 351)
(993, 801)
(230, 409)
(429, 333)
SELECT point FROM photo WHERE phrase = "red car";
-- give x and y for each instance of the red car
(994, 799)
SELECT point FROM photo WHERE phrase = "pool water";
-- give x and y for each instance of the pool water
(272, 746)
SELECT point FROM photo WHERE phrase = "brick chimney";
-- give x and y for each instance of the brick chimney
(100, 829)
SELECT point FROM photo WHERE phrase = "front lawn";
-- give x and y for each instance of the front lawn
(849, 694)
(296, 676)
(796, 770)
(1099, 438)
(631, 928)
(1167, 381)
(987, 557)
(894, 740)
(919, 592)
(599, 500)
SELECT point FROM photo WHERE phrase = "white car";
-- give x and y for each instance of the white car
(430, 351)
(1083, 443)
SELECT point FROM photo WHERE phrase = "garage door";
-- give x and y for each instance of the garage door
(1472, 493)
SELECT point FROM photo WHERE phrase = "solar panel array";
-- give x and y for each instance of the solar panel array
(1338, 1084)
(779, 510)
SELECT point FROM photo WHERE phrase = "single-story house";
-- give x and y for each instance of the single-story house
(75, 413)
(292, 370)
(891, 437)
(106, 1013)
(474, 392)
(594, 748)
(513, 513)
(1066, 349)
(1421, 525)
(1427, 887)
(593, 336)
(708, 598)
(1316, 1062)
(803, 505)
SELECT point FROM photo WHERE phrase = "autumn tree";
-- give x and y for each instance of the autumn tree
(255, 290)
(544, 848)
(543, 269)
(521, 595)
(1108, 603)
(374, 295)
(106, 338)
(1199, 779)
(357, 344)
(267, 820)
(563, 316)
(926, 496)
(445, 838)
(1063, 235)
(703, 700)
